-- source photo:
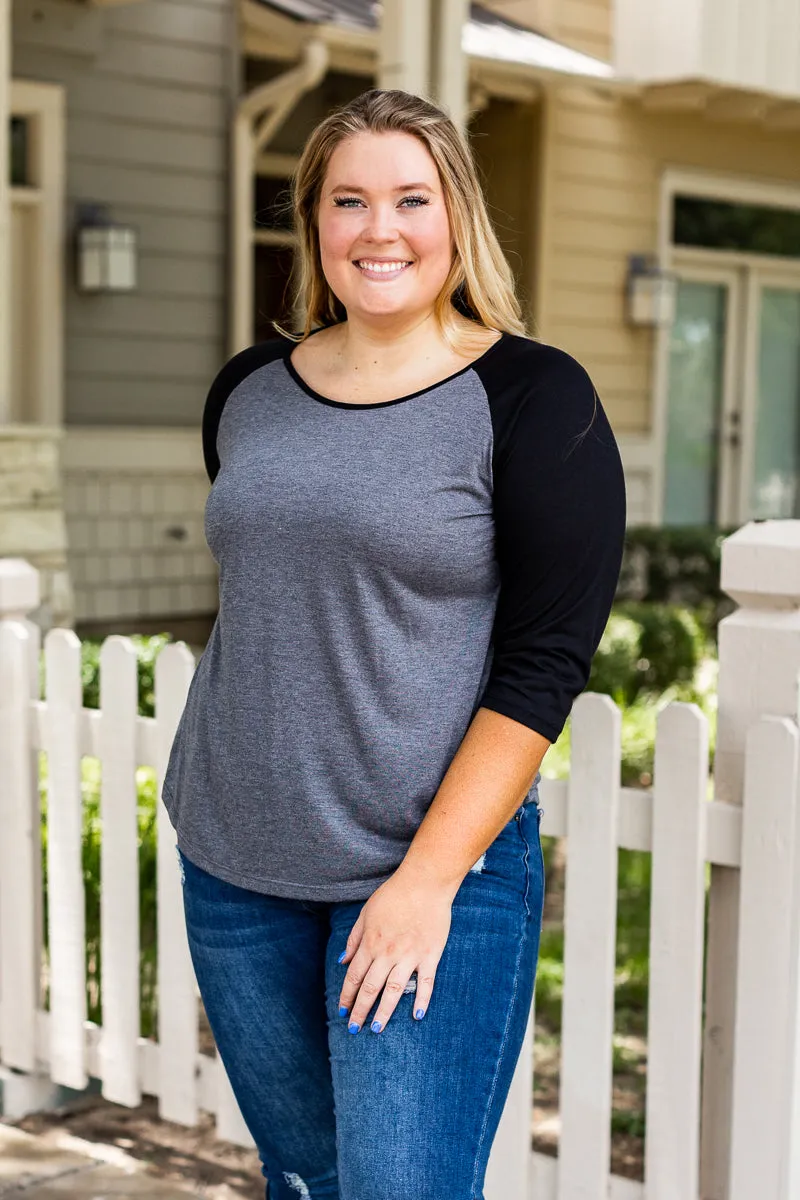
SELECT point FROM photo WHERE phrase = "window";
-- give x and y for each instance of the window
(719, 225)
(18, 170)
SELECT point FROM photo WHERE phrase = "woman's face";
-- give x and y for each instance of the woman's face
(382, 207)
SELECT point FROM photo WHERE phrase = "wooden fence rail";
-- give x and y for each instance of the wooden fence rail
(675, 821)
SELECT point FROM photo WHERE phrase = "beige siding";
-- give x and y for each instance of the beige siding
(605, 161)
(148, 105)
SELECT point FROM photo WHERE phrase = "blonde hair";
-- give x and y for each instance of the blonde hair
(480, 283)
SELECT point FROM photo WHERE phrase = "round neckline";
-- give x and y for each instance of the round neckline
(315, 395)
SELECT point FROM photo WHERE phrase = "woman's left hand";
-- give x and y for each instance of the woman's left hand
(402, 928)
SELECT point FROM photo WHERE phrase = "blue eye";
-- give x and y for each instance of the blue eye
(347, 201)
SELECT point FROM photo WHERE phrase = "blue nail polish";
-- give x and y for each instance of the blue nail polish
(376, 1027)
(419, 1014)
(342, 1010)
(341, 956)
(352, 1027)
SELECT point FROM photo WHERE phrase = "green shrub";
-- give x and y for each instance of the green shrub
(676, 565)
(648, 648)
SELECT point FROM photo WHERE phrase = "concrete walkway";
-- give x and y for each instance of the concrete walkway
(46, 1168)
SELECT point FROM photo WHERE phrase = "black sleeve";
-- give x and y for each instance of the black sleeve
(229, 377)
(560, 511)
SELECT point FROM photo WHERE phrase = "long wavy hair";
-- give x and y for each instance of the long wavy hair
(479, 284)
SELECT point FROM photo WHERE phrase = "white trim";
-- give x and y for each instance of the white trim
(258, 115)
(274, 165)
(273, 237)
(721, 185)
(120, 448)
(5, 213)
(45, 433)
(637, 451)
(757, 281)
(44, 104)
(715, 185)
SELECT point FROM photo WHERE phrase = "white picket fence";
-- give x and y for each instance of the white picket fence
(675, 821)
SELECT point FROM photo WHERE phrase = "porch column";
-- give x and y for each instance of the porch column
(420, 52)
(404, 46)
(5, 214)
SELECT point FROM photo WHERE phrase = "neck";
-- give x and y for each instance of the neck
(367, 346)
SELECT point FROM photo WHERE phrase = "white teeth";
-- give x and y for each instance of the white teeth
(382, 267)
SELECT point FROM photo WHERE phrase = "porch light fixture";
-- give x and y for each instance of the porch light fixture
(650, 292)
(105, 253)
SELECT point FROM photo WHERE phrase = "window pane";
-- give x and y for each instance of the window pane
(273, 296)
(18, 152)
(695, 398)
(751, 228)
(777, 454)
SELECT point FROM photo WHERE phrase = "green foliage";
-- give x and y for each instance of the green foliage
(646, 649)
(147, 647)
(650, 655)
(675, 565)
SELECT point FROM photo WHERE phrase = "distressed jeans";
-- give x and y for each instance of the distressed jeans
(411, 1111)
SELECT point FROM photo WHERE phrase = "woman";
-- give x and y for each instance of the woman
(418, 514)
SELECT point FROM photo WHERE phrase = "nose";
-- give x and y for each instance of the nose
(381, 225)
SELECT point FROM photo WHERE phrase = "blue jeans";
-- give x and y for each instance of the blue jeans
(408, 1112)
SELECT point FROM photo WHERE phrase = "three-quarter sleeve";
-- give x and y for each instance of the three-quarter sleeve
(560, 510)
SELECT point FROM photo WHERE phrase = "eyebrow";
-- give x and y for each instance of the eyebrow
(404, 187)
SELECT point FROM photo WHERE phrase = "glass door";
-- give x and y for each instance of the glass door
(702, 432)
(771, 410)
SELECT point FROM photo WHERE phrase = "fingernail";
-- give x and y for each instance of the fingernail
(376, 1027)
(419, 1014)
(342, 1010)
(341, 956)
(352, 1027)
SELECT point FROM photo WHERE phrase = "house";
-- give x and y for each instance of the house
(642, 166)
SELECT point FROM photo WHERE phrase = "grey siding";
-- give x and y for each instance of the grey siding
(149, 94)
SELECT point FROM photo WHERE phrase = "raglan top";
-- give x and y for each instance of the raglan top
(385, 569)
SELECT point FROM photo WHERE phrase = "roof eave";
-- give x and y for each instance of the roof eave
(267, 33)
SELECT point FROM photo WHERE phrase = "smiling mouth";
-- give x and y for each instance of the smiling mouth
(373, 269)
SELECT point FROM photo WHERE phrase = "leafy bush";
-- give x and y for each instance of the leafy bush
(648, 648)
(676, 565)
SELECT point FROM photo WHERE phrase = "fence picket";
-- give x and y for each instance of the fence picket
(590, 907)
(177, 997)
(20, 875)
(509, 1167)
(65, 895)
(763, 1036)
(230, 1122)
(677, 914)
(119, 872)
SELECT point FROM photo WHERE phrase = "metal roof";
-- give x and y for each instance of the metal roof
(485, 35)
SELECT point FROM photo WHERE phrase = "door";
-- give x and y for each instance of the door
(771, 399)
(732, 449)
(701, 451)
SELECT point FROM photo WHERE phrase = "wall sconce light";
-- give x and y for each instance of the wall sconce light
(105, 253)
(650, 292)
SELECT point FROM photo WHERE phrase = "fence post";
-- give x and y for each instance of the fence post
(764, 1154)
(20, 841)
(759, 660)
